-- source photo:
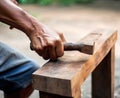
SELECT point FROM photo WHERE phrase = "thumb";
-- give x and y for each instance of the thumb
(62, 36)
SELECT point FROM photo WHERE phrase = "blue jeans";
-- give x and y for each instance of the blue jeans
(15, 69)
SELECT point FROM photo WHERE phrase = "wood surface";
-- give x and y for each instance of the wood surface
(65, 76)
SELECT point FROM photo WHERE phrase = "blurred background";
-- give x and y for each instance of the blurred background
(75, 18)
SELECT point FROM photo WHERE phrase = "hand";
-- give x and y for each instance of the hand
(46, 42)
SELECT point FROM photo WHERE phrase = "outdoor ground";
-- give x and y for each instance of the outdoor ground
(75, 22)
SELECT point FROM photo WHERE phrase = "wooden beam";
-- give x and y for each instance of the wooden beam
(65, 76)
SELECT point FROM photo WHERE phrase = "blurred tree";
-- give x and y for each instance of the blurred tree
(66, 2)
(48, 2)
(18, 1)
(44, 2)
(84, 1)
(27, 1)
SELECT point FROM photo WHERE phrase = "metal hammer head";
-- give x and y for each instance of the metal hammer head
(87, 48)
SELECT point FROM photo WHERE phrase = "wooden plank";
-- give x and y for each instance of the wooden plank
(103, 77)
(65, 76)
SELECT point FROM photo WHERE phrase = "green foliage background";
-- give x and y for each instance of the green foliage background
(60, 2)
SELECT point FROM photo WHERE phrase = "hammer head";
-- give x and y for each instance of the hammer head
(87, 48)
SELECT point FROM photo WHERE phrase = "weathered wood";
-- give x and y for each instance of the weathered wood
(65, 76)
(103, 77)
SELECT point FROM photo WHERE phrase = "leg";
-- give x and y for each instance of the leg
(48, 95)
(24, 93)
(15, 72)
(103, 77)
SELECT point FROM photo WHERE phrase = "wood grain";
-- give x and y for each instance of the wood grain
(66, 75)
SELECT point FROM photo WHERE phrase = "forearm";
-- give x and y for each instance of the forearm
(14, 16)
(46, 42)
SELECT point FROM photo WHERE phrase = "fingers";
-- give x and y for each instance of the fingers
(45, 53)
(48, 44)
(50, 50)
(59, 49)
(56, 49)
(52, 53)
(36, 45)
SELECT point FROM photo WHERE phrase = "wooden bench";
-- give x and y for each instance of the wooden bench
(63, 78)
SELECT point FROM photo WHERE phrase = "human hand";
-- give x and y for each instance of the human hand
(46, 42)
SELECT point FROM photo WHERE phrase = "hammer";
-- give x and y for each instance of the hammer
(87, 48)
(82, 47)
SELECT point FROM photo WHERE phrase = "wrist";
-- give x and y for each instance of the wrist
(25, 23)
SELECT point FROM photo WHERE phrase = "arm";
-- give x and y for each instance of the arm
(44, 41)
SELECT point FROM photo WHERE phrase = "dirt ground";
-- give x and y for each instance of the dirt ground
(75, 22)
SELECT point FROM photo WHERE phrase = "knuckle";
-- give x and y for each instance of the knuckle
(38, 48)
(44, 46)
(58, 41)
(60, 54)
(60, 34)
(51, 44)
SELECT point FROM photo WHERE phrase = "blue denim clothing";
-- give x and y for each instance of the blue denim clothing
(15, 69)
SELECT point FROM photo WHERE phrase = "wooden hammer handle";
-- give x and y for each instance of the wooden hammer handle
(85, 48)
